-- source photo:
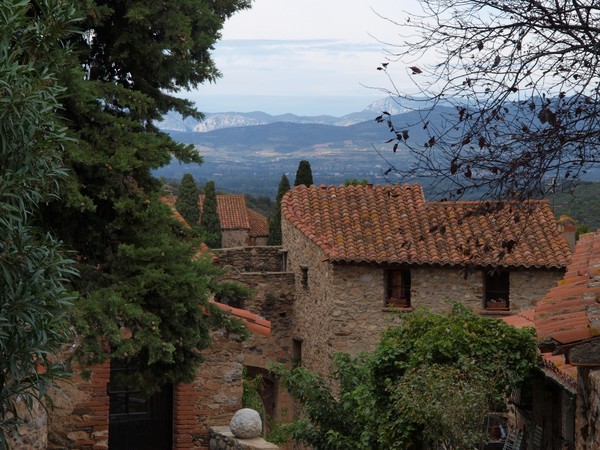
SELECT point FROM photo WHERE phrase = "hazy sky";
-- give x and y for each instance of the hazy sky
(304, 57)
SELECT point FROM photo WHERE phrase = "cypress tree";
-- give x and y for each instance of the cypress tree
(210, 222)
(187, 200)
(303, 174)
(275, 219)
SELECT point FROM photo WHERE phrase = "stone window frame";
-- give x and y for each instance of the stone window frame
(403, 280)
(496, 289)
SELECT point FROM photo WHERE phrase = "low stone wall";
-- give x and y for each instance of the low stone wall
(252, 259)
(234, 238)
(221, 438)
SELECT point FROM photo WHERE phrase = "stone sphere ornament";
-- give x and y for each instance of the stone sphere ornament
(246, 424)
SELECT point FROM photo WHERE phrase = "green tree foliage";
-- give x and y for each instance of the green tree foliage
(210, 222)
(34, 273)
(140, 288)
(303, 174)
(187, 200)
(356, 182)
(429, 382)
(275, 219)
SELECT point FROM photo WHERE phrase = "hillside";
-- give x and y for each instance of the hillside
(581, 203)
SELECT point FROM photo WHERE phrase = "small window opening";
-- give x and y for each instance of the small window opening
(398, 288)
(304, 276)
(297, 352)
(497, 287)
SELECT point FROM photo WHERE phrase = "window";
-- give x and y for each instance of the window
(398, 288)
(496, 289)
(304, 276)
(297, 351)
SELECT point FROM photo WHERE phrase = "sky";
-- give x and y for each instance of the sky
(305, 57)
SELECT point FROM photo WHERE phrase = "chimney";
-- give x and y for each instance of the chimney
(568, 228)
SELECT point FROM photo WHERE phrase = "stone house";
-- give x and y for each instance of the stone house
(239, 224)
(361, 254)
(563, 408)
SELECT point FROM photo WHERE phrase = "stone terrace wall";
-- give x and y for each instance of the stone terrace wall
(235, 238)
(260, 268)
(252, 259)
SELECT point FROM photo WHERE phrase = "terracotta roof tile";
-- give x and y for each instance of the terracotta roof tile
(570, 312)
(170, 202)
(394, 224)
(564, 372)
(232, 211)
(259, 227)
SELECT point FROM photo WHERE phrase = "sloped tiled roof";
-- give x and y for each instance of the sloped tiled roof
(259, 226)
(232, 211)
(394, 224)
(554, 366)
(570, 312)
(170, 202)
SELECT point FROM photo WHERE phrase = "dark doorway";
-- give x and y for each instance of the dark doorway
(136, 422)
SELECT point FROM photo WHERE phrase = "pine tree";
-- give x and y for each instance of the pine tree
(35, 302)
(135, 273)
(304, 174)
(187, 200)
(209, 221)
(275, 219)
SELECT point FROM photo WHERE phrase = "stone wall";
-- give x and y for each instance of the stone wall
(341, 307)
(274, 300)
(30, 432)
(212, 398)
(587, 430)
(251, 259)
(79, 419)
(234, 238)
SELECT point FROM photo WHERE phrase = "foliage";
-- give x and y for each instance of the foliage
(251, 393)
(231, 293)
(35, 274)
(261, 204)
(580, 201)
(209, 221)
(428, 382)
(140, 288)
(187, 200)
(275, 219)
(356, 182)
(303, 174)
(516, 86)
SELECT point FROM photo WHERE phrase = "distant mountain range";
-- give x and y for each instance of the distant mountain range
(216, 121)
(248, 152)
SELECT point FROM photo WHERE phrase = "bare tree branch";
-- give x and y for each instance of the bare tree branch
(519, 83)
